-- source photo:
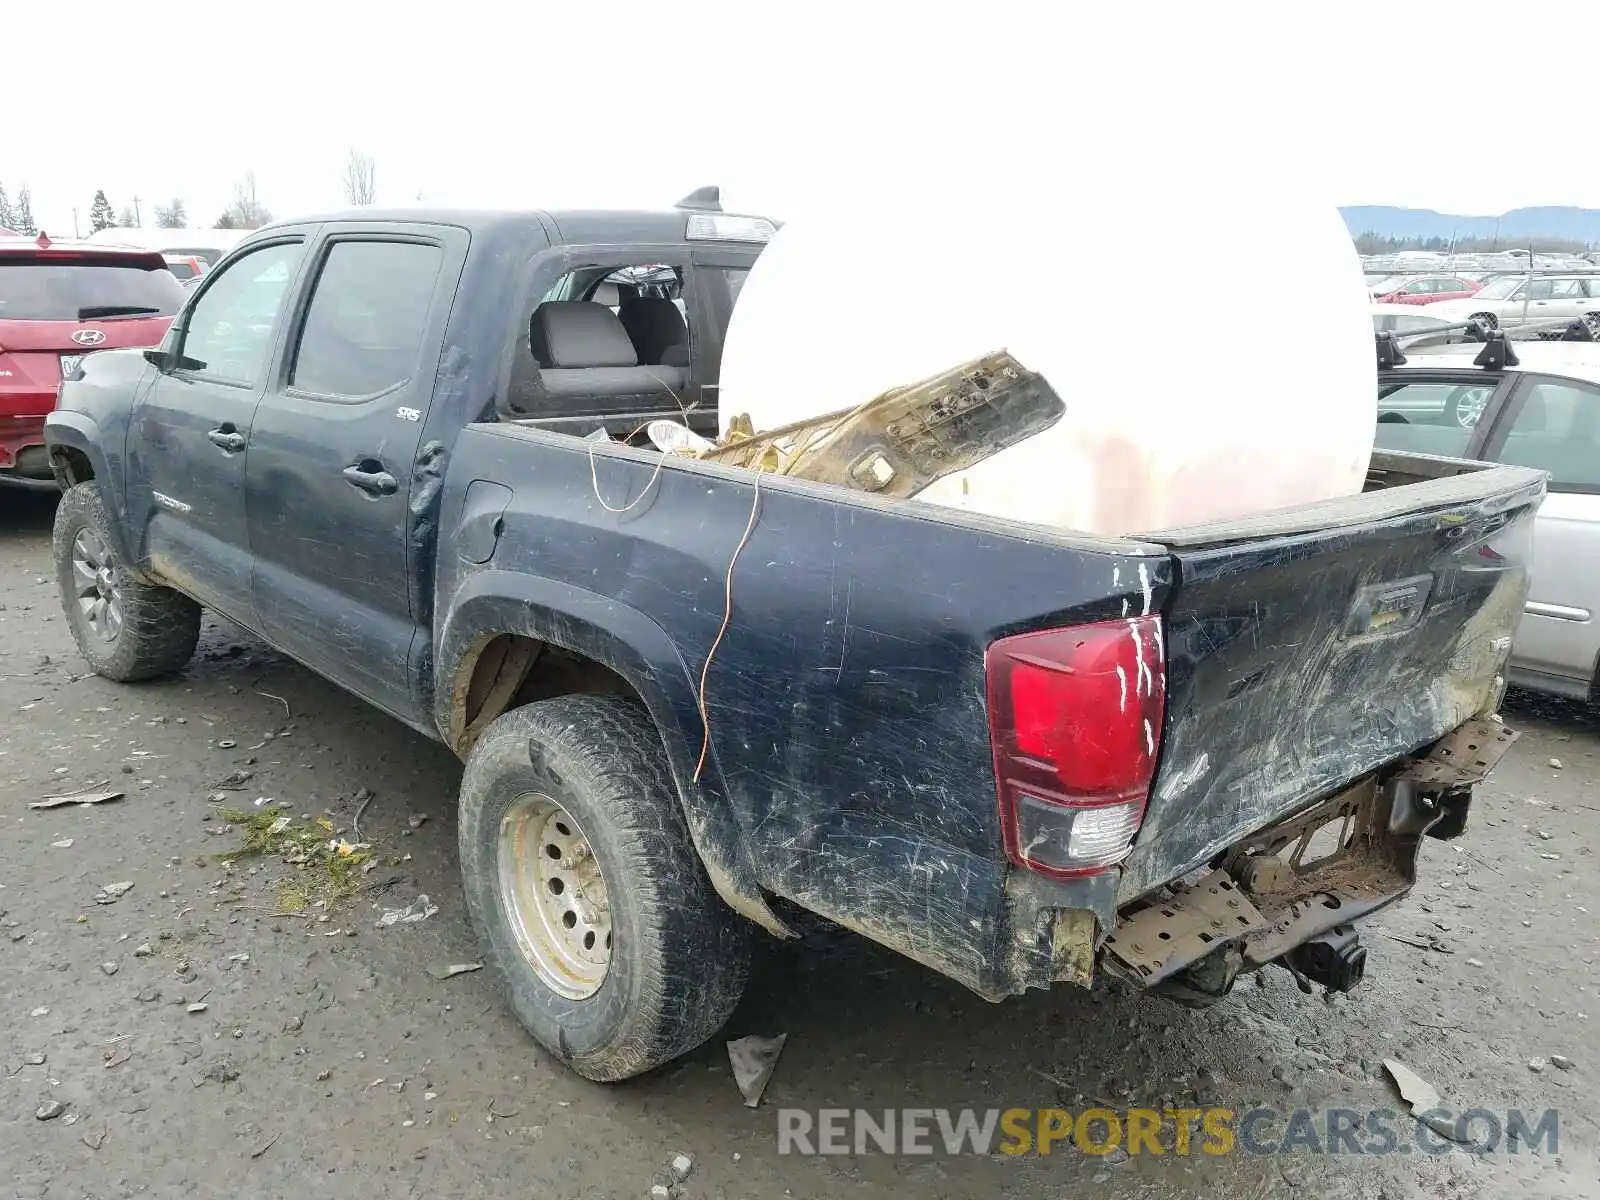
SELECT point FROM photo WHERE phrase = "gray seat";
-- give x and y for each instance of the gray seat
(657, 328)
(584, 352)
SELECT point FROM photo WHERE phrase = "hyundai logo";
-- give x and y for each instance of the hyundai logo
(88, 337)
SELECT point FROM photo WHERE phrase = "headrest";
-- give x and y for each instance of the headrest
(576, 333)
(607, 293)
(656, 326)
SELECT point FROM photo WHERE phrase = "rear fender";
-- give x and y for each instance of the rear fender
(627, 642)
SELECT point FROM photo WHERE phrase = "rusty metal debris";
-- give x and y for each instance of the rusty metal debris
(899, 443)
(1463, 757)
(1159, 941)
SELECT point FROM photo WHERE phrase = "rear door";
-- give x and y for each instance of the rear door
(337, 457)
(1554, 425)
(1307, 649)
(189, 438)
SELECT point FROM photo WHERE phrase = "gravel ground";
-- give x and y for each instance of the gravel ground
(331, 1061)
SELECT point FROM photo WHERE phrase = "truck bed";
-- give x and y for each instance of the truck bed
(850, 767)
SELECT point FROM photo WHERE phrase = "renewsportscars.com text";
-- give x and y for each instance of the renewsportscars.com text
(1151, 1131)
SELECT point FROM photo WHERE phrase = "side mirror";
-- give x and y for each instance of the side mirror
(158, 358)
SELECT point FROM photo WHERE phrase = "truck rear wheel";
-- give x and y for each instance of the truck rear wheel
(583, 883)
(127, 630)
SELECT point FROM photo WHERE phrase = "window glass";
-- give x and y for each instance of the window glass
(364, 326)
(1429, 417)
(1410, 324)
(720, 286)
(1566, 289)
(229, 330)
(38, 289)
(1557, 429)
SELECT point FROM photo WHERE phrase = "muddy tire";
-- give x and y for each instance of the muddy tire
(127, 630)
(587, 892)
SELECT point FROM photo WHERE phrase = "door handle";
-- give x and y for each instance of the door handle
(227, 437)
(374, 481)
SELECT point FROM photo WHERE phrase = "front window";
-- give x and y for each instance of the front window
(1500, 289)
(34, 289)
(1557, 430)
(228, 332)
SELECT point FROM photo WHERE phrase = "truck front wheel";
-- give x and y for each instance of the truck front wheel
(587, 892)
(127, 630)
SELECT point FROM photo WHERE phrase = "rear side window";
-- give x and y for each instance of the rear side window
(363, 330)
(1430, 416)
(33, 289)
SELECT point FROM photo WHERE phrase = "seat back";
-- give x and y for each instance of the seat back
(587, 365)
(657, 329)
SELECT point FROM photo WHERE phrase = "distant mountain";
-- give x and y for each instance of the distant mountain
(1582, 224)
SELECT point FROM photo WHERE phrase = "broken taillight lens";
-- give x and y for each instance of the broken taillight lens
(1075, 719)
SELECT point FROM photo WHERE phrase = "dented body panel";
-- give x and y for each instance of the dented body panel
(1298, 663)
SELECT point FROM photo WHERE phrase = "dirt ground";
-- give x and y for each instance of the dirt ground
(331, 1061)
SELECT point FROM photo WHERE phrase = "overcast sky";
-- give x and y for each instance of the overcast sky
(500, 104)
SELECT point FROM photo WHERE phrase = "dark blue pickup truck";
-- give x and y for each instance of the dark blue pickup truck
(693, 700)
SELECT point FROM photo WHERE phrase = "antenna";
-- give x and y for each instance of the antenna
(703, 199)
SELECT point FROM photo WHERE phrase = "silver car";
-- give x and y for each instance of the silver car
(1543, 413)
(1513, 300)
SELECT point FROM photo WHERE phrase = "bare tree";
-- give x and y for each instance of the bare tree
(360, 174)
(127, 219)
(246, 211)
(171, 215)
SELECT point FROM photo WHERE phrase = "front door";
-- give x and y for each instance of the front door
(338, 457)
(189, 439)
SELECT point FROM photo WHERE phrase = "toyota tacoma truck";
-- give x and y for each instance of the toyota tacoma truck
(695, 701)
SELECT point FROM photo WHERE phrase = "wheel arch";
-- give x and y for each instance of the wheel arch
(502, 628)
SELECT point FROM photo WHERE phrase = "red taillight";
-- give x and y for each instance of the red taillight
(1075, 718)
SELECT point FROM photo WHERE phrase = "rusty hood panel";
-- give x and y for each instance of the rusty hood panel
(1299, 663)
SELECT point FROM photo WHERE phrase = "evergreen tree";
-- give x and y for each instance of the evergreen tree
(8, 219)
(22, 219)
(101, 214)
(129, 219)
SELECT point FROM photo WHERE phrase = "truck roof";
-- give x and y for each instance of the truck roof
(572, 225)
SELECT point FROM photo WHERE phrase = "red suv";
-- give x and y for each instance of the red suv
(58, 302)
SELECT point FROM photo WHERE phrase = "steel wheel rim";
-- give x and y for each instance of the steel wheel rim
(1592, 320)
(95, 586)
(554, 896)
